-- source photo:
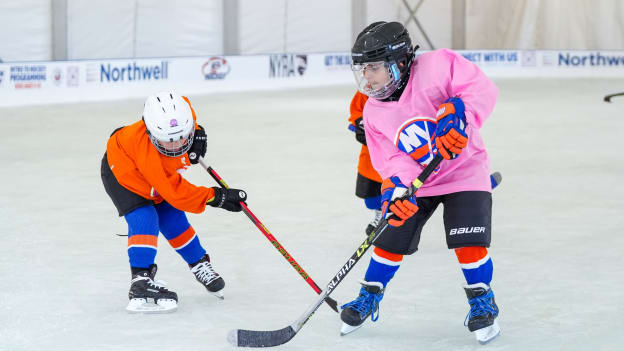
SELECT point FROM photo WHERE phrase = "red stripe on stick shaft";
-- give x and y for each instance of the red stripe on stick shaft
(332, 303)
(280, 248)
(216, 177)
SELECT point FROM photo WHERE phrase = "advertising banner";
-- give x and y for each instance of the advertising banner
(96, 80)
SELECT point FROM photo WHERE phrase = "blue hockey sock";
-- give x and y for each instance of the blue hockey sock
(180, 234)
(476, 264)
(373, 203)
(382, 266)
(142, 236)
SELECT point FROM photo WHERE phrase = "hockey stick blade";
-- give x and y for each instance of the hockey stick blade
(333, 304)
(496, 178)
(261, 338)
(253, 338)
(607, 98)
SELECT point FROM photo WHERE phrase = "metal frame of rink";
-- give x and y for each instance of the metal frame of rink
(557, 240)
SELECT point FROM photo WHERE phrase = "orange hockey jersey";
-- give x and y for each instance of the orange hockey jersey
(365, 166)
(140, 168)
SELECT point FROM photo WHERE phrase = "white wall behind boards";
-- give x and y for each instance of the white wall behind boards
(143, 28)
(539, 24)
(434, 17)
(100, 29)
(41, 30)
(272, 26)
(179, 28)
(25, 30)
(260, 26)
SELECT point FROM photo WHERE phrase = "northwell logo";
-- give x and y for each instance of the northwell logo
(592, 59)
(467, 230)
(133, 72)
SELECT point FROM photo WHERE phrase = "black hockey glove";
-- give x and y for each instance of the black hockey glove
(198, 148)
(359, 131)
(228, 199)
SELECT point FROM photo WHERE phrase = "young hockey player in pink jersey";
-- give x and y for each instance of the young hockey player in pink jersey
(418, 107)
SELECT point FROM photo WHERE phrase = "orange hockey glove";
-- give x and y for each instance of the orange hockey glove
(396, 205)
(450, 135)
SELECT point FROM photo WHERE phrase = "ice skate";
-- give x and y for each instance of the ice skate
(366, 304)
(374, 223)
(483, 312)
(205, 274)
(148, 296)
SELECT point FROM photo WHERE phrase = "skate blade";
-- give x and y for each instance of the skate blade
(487, 334)
(138, 305)
(218, 294)
(348, 329)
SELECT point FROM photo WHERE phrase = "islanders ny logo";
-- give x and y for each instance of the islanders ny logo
(414, 137)
(215, 68)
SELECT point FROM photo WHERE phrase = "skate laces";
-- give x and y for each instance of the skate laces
(157, 284)
(480, 306)
(377, 219)
(366, 302)
(205, 273)
(154, 284)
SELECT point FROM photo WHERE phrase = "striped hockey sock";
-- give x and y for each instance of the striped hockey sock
(181, 236)
(382, 266)
(476, 264)
(142, 236)
(187, 245)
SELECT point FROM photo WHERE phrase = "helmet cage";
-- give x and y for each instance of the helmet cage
(172, 147)
(366, 87)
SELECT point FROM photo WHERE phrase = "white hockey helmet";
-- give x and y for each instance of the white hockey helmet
(169, 122)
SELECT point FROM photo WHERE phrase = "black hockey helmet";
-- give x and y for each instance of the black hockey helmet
(386, 43)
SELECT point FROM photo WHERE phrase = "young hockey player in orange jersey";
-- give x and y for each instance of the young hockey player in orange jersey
(368, 181)
(141, 173)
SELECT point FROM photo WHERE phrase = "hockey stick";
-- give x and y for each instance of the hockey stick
(607, 98)
(331, 302)
(259, 338)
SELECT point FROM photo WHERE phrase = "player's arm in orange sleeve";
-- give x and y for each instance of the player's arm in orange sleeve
(181, 192)
(356, 108)
(185, 196)
(356, 117)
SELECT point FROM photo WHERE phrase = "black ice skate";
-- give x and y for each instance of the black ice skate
(205, 274)
(148, 296)
(366, 304)
(374, 223)
(483, 312)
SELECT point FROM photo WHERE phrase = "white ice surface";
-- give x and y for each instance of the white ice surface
(558, 238)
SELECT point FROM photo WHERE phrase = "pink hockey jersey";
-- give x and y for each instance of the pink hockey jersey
(400, 133)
